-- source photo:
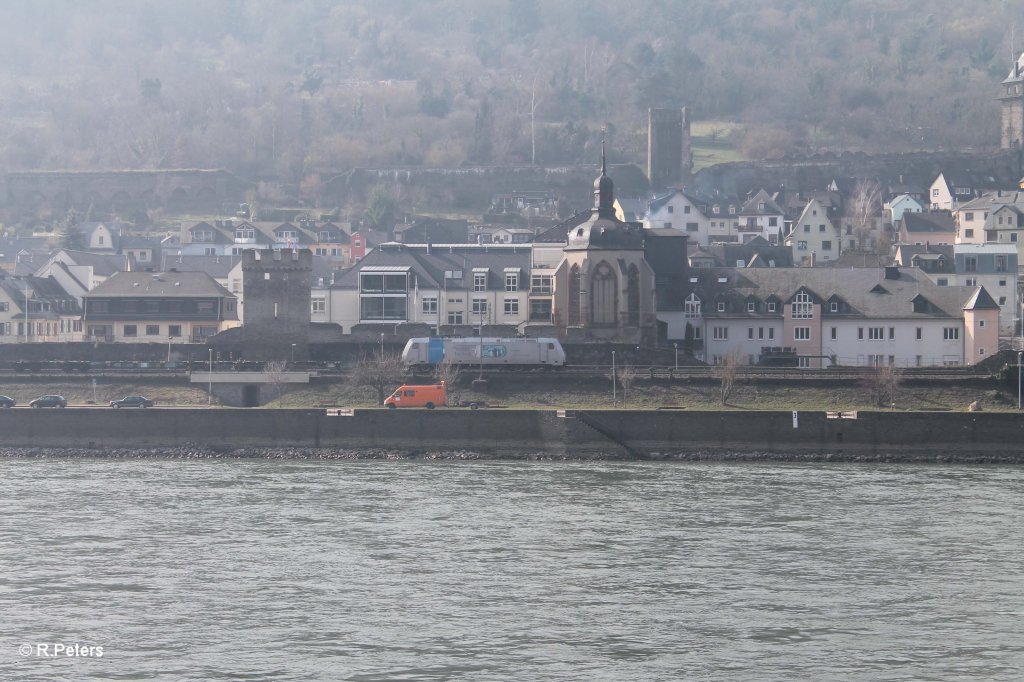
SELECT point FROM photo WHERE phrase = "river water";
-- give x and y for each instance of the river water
(325, 570)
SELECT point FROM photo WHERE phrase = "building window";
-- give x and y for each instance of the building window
(691, 307)
(691, 227)
(802, 333)
(771, 306)
(892, 333)
(801, 246)
(454, 317)
(971, 282)
(833, 307)
(720, 333)
(860, 333)
(750, 306)
(970, 264)
(671, 209)
(826, 245)
(950, 333)
(130, 330)
(771, 333)
(1000, 263)
(540, 310)
(511, 306)
(318, 305)
(968, 216)
(750, 332)
(511, 281)
(210, 251)
(1002, 300)
(968, 234)
(479, 306)
(152, 330)
(876, 333)
(667, 224)
(721, 306)
(942, 282)
(540, 284)
(430, 305)
(801, 307)
(835, 333)
(479, 281)
(173, 330)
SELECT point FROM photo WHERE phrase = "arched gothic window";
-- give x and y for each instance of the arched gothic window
(574, 296)
(604, 306)
(633, 295)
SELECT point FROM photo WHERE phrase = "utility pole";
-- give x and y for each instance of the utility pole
(615, 398)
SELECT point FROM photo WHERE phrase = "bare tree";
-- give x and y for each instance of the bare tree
(627, 375)
(862, 213)
(274, 371)
(447, 371)
(381, 373)
(883, 383)
(727, 371)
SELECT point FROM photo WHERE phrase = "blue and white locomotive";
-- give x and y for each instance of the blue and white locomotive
(515, 353)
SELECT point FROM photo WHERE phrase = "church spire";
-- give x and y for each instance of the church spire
(604, 197)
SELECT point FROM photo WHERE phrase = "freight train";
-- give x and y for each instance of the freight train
(512, 353)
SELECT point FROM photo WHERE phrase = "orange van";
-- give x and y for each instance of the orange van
(429, 396)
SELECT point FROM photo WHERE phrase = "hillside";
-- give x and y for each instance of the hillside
(295, 91)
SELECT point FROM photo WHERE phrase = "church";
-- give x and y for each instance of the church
(603, 286)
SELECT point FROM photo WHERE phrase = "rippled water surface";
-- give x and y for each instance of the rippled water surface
(270, 570)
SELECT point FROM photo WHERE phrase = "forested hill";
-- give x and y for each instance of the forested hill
(274, 89)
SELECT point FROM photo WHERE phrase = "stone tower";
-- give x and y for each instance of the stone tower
(1011, 100)
(276, 285)
(669, 153)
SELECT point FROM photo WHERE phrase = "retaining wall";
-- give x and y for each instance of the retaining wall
(496, 432)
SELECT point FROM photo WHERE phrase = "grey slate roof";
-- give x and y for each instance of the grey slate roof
(160, 285)
(930, 221)
(217, 267)
(429, 269)
(865, 292)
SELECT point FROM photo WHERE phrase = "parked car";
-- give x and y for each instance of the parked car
(7, 401)
(49, 401)
(132, 401)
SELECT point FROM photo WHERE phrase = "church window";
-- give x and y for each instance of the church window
(633, 295)
(574, 297)
(603, 300)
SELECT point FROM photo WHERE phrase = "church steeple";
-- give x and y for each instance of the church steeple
(604, 195)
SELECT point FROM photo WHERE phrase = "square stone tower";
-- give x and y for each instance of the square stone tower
(276, 285)
(669, 150)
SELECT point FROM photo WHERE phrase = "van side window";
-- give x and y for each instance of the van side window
(551, 346)
(410, 392)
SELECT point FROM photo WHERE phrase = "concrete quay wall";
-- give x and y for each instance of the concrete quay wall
(510, 432)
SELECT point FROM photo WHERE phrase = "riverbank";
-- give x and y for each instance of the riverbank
(370, 454)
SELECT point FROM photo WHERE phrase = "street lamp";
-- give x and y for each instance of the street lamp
(209, 376)
(169, 337)
(675, 345)
(293, 353)
(1019, 354)
(382, 348)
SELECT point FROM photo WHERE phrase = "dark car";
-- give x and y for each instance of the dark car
(132, 401)
(6, 401)
(49, 401)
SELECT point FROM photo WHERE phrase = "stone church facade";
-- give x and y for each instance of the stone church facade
(603, 288)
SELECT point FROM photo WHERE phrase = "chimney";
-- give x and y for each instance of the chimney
(892, 272)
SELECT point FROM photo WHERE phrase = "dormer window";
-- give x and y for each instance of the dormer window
(833, 307)
(751, 306)
(721, 306)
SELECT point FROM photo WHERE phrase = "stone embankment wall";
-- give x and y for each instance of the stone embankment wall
(976, 436)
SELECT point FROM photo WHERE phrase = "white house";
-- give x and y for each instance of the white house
(814, 237)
